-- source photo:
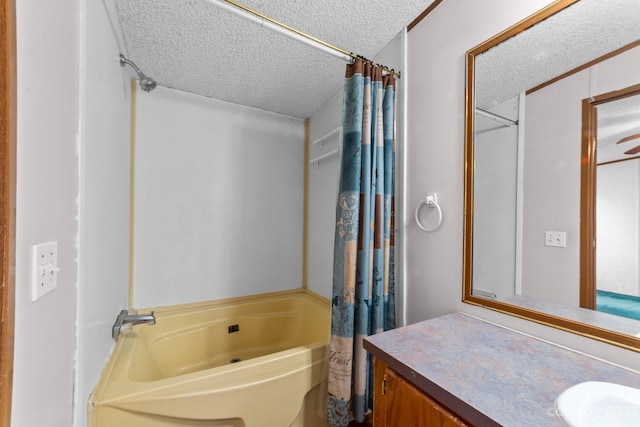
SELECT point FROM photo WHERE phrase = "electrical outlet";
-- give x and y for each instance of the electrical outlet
(557, 239)
(44, 269)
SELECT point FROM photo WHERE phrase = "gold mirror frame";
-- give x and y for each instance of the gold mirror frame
(8, 147)
(587, 330)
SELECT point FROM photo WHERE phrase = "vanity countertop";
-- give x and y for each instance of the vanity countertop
(489, 375)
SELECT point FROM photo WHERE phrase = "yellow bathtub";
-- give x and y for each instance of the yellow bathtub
(254, 362)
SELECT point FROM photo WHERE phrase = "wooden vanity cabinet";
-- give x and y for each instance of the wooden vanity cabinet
(398, 403)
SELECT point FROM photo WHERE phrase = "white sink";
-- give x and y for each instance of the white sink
(599, 404)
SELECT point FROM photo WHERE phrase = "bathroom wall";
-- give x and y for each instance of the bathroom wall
(103, 203)
(218, 200)
(435, 156)
(47, 189)
(324, 176)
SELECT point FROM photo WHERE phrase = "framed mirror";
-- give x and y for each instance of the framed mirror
(545, 100)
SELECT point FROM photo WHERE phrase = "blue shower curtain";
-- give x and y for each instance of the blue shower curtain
(363, 280)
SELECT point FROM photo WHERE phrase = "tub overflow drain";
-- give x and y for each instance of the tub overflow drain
(235, 360)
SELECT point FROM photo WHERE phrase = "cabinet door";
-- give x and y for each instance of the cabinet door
(401, 404)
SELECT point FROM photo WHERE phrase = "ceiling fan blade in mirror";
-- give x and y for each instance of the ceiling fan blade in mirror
(629, 138)
(633, 151)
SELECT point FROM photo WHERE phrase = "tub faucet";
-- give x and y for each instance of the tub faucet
(133, 318)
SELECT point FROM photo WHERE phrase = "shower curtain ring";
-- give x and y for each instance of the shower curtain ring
(430, 201)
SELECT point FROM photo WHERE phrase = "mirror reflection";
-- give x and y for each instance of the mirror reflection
(537, 200)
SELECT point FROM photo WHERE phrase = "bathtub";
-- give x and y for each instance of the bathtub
(253, 362)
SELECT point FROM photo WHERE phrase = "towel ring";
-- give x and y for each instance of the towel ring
(430, 201)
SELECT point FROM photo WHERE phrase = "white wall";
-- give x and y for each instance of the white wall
(218, 200)
(322, 195)
(47, 187)
(435, 153)
(618, 230)
(103, 240)
(58, 148)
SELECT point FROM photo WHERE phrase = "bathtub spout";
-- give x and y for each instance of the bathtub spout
(134, 319)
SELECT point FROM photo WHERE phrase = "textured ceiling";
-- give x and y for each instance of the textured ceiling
(617, 120)
(583, 32)
(196, 47)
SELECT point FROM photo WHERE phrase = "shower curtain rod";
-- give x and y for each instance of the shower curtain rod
(496, 117)
(286, 30)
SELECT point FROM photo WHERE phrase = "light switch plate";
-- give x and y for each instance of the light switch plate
(44, 269)
(557, 239)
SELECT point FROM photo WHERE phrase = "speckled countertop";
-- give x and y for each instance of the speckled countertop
(489, 375)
